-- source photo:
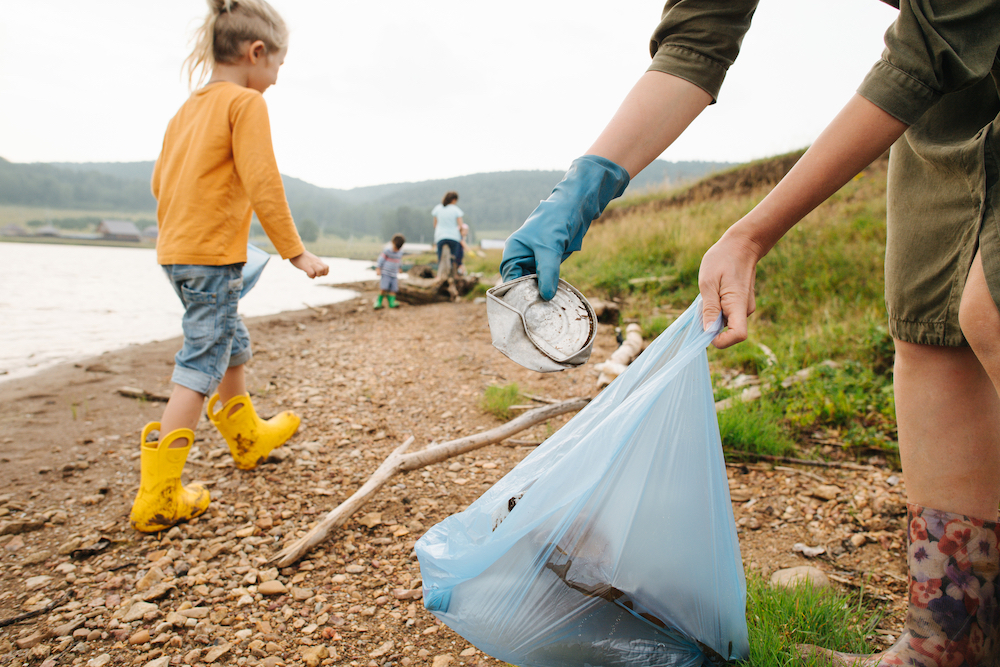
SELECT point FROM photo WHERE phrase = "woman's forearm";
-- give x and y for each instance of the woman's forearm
(859, 134)
(654, 113)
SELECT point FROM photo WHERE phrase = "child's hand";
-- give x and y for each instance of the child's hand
(312, 265)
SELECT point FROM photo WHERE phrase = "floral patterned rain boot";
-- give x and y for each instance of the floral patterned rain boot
(953, 618)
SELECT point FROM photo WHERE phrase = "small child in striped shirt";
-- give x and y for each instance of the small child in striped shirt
(388, 270)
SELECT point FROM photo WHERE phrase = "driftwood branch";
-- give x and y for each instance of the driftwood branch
(400, 460)
(626, 353)
(38, 612)
(805, 462)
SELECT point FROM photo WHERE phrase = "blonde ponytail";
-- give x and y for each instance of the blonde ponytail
(229, 25)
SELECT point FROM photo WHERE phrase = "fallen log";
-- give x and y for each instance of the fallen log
(420, 291)
(399, 461)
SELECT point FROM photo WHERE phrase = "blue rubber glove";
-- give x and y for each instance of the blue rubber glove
(555, 229)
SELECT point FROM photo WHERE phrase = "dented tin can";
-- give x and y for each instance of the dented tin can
(544, 336)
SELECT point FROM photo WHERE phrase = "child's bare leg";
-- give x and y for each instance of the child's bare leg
(234, 383)
(183, 411)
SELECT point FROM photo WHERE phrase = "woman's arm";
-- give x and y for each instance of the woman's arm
(654, 113)
(854, 139)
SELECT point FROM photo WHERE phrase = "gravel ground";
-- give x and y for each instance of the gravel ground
(207, 593)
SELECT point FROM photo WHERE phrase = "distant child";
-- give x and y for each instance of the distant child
(388, 269)
(216, 167)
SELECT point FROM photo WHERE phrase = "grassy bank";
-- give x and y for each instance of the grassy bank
(819, 297)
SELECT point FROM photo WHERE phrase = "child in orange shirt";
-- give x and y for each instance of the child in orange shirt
(217, 167)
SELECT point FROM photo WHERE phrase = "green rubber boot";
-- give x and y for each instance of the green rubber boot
(378, 302)
(392, 301)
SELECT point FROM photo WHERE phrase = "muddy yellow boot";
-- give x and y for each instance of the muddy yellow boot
(162, 501)
(250, 438)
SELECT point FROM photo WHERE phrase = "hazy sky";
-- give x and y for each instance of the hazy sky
(397, 90)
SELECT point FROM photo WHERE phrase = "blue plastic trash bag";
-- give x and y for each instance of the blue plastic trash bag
(614, 542)
(256, 259)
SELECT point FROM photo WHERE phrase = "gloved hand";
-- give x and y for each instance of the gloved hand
(555, 229)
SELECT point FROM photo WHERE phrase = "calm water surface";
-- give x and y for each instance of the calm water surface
(60, 303)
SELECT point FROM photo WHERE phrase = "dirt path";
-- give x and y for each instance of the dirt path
(363, 381)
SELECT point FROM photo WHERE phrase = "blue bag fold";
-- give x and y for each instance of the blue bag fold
(256, 260)
(614, 542)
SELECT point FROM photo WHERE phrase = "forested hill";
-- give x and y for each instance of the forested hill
(495, 202)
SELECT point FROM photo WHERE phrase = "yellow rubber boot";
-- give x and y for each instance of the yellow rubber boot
(250, 438)
(162, 501)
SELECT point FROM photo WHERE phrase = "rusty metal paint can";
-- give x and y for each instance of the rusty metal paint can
(544, 336)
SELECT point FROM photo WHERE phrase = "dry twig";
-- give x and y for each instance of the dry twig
(399, 460)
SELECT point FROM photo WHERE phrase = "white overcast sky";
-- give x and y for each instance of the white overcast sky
(396, 90)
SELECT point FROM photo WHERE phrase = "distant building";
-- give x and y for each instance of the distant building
(13, 230)
(119, 230)
(492, 244)
(47, 230)
(150, 233)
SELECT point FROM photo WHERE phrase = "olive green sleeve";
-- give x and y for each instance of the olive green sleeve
(697, 40)
(934, 47)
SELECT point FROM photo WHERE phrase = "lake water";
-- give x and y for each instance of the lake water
(61, 303)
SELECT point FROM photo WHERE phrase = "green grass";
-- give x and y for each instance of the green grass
(756, 427)
(778, 619)
(11, 213)
(497, 400)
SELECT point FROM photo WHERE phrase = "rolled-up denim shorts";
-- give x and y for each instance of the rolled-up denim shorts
(215, 337)
(389, 283)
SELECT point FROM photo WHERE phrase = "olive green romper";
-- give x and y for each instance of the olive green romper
(937, 75)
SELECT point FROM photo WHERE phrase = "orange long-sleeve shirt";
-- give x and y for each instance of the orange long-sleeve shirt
(216, 166)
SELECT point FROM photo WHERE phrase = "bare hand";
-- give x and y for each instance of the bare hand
(726, 281)
(309, 263)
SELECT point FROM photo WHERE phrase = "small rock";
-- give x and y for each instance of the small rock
(162, 661)
(469, 652)
(271, 660)
(40, 581)
(141, 637)
(408, 594)
(30, 641)
(154, 576)
(100, 660)
(442, 660)
(857, 539)
(40, 557)
(301, 594)
(17, 527)
(314, 655)
(371, 519)
(194, 612)
(381, 650)
(15, 544)
(825, 492)
(273, 587)
(216, 652)
(354, 569)
(802, 575)
(193, 656)
(138, 610)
